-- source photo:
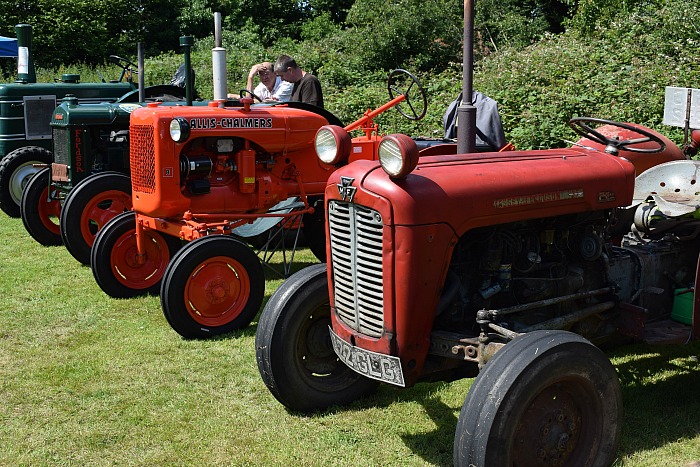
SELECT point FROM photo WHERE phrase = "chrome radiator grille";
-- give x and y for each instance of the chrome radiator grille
(356, 255)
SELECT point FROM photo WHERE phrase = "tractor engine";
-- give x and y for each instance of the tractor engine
(222, 161)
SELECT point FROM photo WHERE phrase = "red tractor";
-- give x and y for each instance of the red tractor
(511, 266)
(505, 265)
(197, 174)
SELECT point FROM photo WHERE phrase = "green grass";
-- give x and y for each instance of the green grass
(90, 380)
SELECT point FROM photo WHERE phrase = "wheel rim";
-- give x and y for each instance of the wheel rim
(19, 179)
(314, 348)
(555, 424)
(100, 210)
(49, 212)
(131, 272)
(217, 291)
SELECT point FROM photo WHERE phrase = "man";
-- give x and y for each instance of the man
(307, 88)
(271, 87)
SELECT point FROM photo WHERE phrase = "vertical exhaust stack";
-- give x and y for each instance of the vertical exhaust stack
(25, 64)
(142, 78)
(186, 43)
(466, 112)
(218, 58)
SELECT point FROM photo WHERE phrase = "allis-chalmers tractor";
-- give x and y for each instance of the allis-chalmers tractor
(197, 174)
(514, 266)
(26, 108)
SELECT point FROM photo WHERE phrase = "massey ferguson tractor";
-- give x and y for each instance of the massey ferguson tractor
(513, 266)
(197, 174)
(26, 108)
(87, 182)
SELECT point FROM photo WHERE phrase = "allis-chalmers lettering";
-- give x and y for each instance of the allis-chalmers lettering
(229, 122)
(78, 152)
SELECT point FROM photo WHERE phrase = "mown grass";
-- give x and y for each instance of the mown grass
(89, 380)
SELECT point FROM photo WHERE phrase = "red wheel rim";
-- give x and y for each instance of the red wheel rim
(147, 272)
(217, 291)
(49, 212)
(100, 210)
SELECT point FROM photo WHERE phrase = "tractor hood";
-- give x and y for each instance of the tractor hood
(493, 187)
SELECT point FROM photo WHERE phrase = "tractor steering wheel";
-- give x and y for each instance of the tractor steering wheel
(613, 146)
(246, 91)
(402, 79)
(125, 64)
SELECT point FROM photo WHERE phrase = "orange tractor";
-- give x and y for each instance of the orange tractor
(198, 174)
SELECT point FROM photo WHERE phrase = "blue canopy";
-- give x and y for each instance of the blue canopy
(8, 47)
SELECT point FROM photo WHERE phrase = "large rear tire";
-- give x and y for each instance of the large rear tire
(115, 263)
(547, 398)
(294, 351)
(89, 206)
(314, 228)
(16, 169)
(212, 286)
(40, 213)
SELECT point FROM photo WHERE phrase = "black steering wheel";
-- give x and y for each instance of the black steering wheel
(125, 64)
(246, 91)
(613, 146)
(402, 79)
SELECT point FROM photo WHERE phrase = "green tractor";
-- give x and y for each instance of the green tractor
(26, 108)
(88, 180)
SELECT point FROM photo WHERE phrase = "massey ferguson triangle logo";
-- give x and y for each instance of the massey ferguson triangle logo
(346, 190)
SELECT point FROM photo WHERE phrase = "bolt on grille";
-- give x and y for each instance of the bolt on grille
(142, 159)
(61, 151)
(356, 256)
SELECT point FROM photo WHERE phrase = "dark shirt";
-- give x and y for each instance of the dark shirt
(308, 89)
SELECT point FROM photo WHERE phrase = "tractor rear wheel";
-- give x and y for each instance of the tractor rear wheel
(115, 262)
(89, 206)
(314, 228)
(16, 169)
(547, 398)
(294, 351)
(213, 285)
(40, 213)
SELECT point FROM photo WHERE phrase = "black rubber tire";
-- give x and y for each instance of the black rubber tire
(314, 229)
(75, 223)
(212, 286)
(294, 351)
(546, 398)
(130, 282)
(37, 211)
(16, 169)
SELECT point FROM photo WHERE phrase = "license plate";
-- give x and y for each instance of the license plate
(373, 365)
(59, 172)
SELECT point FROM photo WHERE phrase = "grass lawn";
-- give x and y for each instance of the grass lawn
(90, 380)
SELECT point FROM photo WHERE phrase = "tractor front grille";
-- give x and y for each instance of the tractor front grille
(142, 159)
(61, 145)
(356, 257)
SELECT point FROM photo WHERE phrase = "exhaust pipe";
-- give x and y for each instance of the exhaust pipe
(25, 64)
(218, 59)
(466, 112)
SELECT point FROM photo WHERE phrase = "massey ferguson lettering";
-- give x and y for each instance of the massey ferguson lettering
(229, 122)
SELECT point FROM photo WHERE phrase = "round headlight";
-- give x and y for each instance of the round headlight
(398, 155)
(179, 129)
(333, 144)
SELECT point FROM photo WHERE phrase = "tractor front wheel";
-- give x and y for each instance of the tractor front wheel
(16, 169)
(116, 264)
(213, 285)
(547, 398)
(40, 213)
(89, 206)
(294, 351)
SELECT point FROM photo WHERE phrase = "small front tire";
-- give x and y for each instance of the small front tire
(16, 169)
(212, 286)
(40, 213)
(115, 263)
(294, 351)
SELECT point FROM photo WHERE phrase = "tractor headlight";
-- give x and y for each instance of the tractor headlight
(333, 144)
(398, 155)
(179, 129)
